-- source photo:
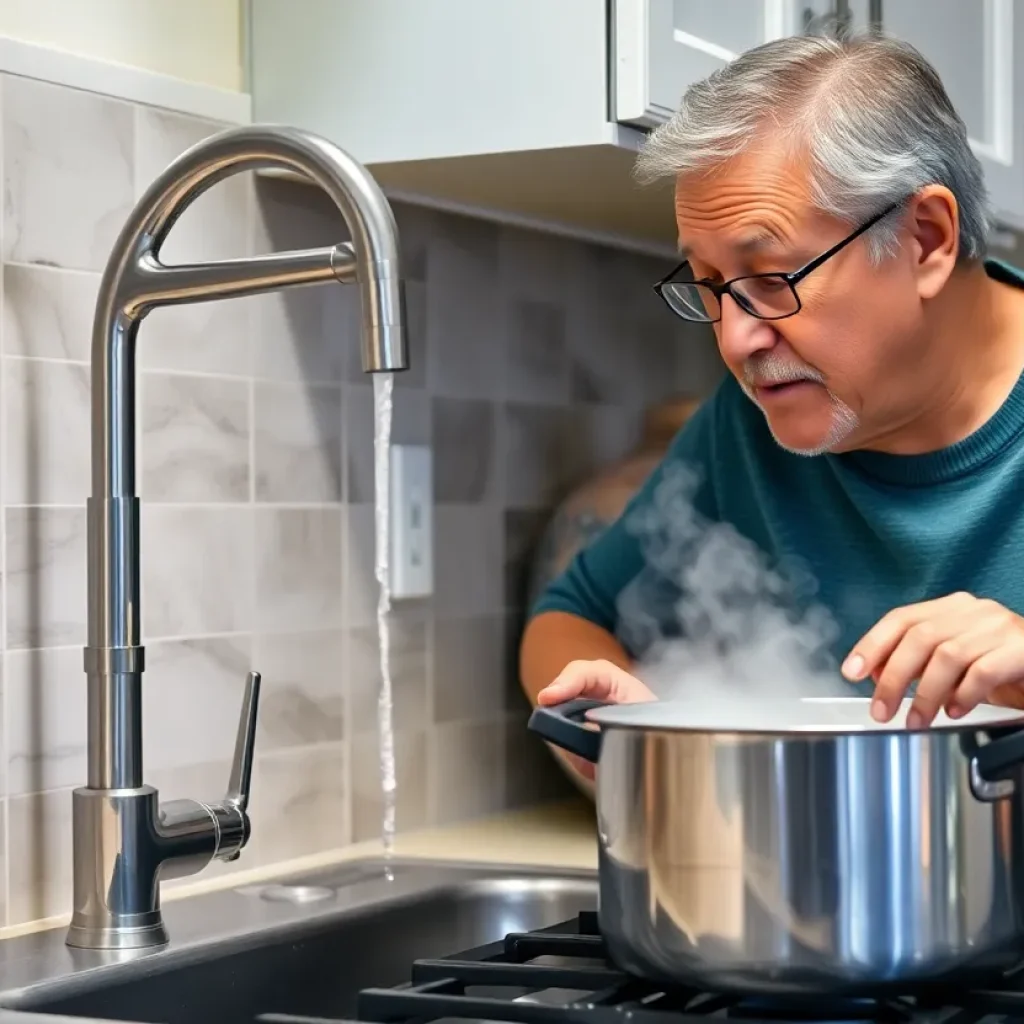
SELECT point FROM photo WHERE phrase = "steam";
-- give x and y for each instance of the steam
(708, 617)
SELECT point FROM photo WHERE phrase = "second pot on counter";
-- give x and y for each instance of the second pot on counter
(797, 846)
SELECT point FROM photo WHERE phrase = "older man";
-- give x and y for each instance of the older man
(833, 219)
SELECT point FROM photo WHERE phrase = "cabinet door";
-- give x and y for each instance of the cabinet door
(659, 47)
(977, 48)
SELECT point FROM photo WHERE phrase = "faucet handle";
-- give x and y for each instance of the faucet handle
(241, 763)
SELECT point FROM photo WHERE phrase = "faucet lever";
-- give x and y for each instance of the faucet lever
(240, 782)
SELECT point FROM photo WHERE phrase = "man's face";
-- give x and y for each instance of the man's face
(833, 376)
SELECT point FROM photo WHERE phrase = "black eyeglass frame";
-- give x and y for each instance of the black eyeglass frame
(792, 278)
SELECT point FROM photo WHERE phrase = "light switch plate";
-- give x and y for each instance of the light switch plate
(412, 521)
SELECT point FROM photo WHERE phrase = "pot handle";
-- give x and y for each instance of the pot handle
(560, 724)
(1005, 749)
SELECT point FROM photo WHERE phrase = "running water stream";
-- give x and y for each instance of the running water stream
(383, 390)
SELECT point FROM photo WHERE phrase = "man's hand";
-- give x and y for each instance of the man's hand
(963, 651)
(598, 680)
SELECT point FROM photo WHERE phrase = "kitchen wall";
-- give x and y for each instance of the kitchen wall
(532, 360)
(198, 41)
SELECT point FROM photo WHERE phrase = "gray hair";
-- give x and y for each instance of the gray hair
(871, 110)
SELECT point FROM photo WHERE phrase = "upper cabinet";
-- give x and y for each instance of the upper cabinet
(660, 47)
(535, 109)
(978, 50)
(977, 47)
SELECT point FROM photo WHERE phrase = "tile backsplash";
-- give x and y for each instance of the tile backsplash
(532, 360)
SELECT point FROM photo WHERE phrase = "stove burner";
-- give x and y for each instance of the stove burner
(562, 975)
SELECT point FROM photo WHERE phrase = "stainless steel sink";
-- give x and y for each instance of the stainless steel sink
(304, 945)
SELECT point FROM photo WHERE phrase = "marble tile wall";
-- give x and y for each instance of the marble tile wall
(533, 358)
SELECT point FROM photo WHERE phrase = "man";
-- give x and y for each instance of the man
(832, 219)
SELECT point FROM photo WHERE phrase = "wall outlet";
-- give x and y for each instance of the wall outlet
(412, 521)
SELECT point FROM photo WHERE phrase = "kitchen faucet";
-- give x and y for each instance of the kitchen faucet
(125, 841)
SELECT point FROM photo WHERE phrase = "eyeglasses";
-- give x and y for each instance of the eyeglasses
(766, 296)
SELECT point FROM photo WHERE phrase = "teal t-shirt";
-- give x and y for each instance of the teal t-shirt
(732, 534)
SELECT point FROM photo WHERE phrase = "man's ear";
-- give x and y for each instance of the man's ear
(933, 219)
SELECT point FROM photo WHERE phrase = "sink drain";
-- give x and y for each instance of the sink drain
(296, 893)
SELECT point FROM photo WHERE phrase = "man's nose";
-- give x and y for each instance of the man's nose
(740, 334)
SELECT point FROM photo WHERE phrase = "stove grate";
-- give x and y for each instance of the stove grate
(513, 981)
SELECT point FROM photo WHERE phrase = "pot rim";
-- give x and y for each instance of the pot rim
(790, 717)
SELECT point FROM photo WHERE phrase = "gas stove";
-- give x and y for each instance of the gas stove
(562, 975)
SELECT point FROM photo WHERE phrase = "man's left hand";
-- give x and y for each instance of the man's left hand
(963, 651)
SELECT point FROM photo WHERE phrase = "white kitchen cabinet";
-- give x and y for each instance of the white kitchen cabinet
(660, 47)
(978, 50)
(497, 105)
(977, 47)
(533, 110)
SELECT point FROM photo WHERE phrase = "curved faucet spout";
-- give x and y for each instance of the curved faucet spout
(134, 281)
(116, 816)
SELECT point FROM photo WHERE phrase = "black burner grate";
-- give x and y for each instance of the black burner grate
(514, 980)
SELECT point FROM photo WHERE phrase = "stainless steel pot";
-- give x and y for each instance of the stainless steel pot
(797, 846)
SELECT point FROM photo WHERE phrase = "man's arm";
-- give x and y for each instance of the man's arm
(553, 639)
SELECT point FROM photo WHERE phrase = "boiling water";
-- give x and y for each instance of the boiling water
(383, 386)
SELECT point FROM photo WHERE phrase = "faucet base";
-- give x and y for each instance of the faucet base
(127, 935)
(117, 863)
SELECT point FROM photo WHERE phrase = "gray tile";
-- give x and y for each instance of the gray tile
(68, 169)
(698, 364)
(300, 803)
(298, 443)
(192, 695)
(465, 463)
(412, 790)
(408, 653)
(537, 467)
(208, 337)
(614, 352)
(46, 588)
(302, 698)
(195, 439)
(298, 569)
(46, 421)
(469, 668)
(524, 529)
(302, 334)
(415, 375)
(464, 326)
(516, 700)
(410, 424)
(469, 770)
(596, 437)
(45, 692)
(532, 776)
(537, 354)
(360, 584)
(197, 570)
(538, 266)
(417, 226)
(47, 312)
(292, 340)
(39, 871)
(468, 560)
(216, 226)
(291, 215)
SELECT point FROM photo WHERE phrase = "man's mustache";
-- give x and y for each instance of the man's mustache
(771, 371)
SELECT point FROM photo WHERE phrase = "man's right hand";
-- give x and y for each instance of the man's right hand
(598, 680)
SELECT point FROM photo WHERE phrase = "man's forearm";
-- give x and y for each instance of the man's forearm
(553, 639)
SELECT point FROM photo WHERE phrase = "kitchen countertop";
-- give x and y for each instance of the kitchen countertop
(558, 835)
